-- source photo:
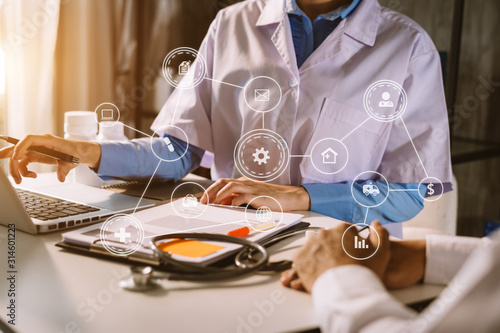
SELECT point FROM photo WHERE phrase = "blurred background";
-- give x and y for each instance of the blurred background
(62, 55)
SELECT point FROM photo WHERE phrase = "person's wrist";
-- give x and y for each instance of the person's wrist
(90, 154)
(421, 251)
(418, 250)
(406, 265)
(303, 201)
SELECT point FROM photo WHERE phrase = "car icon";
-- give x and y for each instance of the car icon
(371, 189)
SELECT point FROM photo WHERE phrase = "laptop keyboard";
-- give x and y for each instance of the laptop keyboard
(43, 208)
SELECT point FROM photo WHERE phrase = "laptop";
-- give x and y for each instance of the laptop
(60, 206)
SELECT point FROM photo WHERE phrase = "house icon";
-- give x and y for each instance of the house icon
(329, 156)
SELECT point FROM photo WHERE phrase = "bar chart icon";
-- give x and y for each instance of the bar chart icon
(360, 244)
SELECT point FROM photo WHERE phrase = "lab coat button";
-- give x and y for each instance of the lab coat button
(293, 82)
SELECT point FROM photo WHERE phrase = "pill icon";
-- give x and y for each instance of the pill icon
(169, 144)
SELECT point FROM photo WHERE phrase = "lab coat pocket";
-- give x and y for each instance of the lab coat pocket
(344, 143)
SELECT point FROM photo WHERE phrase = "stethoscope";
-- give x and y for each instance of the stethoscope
(253, 257)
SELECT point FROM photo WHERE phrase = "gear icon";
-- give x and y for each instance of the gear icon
(261, 155)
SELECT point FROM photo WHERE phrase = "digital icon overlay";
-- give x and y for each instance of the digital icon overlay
(189, 201)
(188, 207)
(385, 100)
(107, 114)
(264, 214)
(263, 219)
(434, 189)
(329, 156)
(372, 194)
(360, 244)
(184, 67)
(371, 189)
(263, 154)
(262, 95)
(122, 235)
(357, 247)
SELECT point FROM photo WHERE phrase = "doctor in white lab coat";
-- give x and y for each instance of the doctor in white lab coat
(321, 97)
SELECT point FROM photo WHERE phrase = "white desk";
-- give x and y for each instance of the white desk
(63, 292)
(59, 291)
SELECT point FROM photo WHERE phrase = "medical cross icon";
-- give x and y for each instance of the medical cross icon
(123, 235)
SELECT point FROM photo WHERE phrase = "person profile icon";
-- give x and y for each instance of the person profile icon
(386, 102)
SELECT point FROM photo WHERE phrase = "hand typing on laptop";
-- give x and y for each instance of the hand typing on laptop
(20, 156)
(53, 207)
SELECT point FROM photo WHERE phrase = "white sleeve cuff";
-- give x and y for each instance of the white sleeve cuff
(445, 255)
(345, 281)
(352, 298)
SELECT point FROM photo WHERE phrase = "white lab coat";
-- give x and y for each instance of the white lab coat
(322, 99)
(352, 298)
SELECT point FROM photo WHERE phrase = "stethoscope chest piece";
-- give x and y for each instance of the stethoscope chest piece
(140, 279)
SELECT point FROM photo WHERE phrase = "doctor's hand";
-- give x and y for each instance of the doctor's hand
(406, 266)
(20, 156)
(240, 191)
(324, 251)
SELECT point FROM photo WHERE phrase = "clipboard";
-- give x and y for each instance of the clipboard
(99, 252)
(130, 236)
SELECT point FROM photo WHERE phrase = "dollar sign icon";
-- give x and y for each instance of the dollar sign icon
(430, 189)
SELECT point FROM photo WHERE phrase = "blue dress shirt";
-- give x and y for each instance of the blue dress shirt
(307, 36)
(135, 159)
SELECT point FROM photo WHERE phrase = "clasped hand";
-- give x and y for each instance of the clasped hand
(398, 264)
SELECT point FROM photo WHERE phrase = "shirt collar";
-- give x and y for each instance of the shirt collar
(291, 7)
(271, 13)
(363, 26)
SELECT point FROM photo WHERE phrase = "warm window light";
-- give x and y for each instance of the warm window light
(2, 72)
(2, 94)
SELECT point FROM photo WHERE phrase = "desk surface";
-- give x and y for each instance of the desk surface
(58, 291)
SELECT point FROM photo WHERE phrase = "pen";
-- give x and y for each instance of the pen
(45, 151)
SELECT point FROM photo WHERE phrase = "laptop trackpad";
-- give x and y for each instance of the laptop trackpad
(93, 196)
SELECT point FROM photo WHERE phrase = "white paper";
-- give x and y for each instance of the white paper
(174, 218)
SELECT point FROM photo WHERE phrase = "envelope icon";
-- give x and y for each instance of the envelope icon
(262, 95)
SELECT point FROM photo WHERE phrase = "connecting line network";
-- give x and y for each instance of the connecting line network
(253, 152)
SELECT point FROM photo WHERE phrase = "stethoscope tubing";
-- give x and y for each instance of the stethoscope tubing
(196, 272)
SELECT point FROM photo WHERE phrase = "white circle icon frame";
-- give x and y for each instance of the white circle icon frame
(281, 144)
(438, 196)
(158, 136)
(330, 139)
(196, 56)
(117, 251)
(371, 228)
(250, 82)
(199, 203)
(106, 122)
(376, 85)
(382, 177)
(276, 223)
